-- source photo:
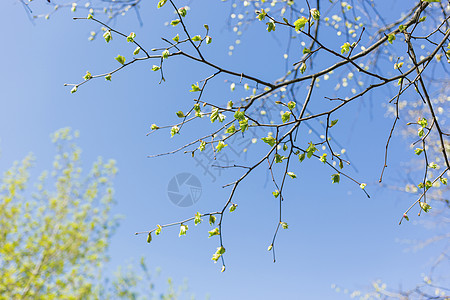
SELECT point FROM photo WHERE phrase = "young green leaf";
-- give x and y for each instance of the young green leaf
(231, 129)
(87, 76)
(174, 130)
(107, 35)
(333, 122)
(120, 59)
(425, 206)
(239, 115)
(279, 158)
(276, 193)
(391, 38)
(233, 207)
(310, 150)
(423, 122)
(136, 51)
(300, 23)
(335, 178)
(286, 116)
(214, 114)
(202, 146)
(270, 26)
(345, 48)
(433, 165)
(291, 105)
(195, 88)
(212, 219)
(315, 14)
(301, 156)
(158, 229)
(161, 3)
(197, 219)
(269, 140)
(220, 146)
(418, 151)
(182, 11)
(220, 251)
(183, 229)
(302, 67)
(243, 124)
(214, 232)
(291, 174)
(284, 225)
(180, 114)
(131, 37)
(261, 15)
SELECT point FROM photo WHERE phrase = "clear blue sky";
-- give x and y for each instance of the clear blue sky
(336, 234)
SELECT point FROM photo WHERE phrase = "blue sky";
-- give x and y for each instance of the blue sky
(336, 234)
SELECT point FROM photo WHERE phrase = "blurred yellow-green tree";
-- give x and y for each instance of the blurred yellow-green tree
(54, 236)
(55, 231)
